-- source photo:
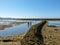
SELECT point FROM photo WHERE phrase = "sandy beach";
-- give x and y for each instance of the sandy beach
(51, 36)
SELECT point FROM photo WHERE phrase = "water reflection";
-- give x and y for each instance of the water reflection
(56, 23)
(22, 28)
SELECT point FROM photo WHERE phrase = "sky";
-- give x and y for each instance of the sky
(30, 8)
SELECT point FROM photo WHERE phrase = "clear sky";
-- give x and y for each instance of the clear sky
(30, 8)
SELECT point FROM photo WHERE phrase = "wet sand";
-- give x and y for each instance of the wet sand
(2, 27)
(11, 40)
(51, 36)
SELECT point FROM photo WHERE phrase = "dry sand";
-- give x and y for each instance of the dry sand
(51, 36)
(11, 40)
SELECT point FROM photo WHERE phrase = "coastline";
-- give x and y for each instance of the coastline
(50, 34)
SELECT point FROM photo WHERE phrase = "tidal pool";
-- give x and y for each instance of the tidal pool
(22, 28)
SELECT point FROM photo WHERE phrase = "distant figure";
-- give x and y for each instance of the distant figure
(34, 35)
(29, 24)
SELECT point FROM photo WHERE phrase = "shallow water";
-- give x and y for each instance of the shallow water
(14, 30)
(56, 23)
(22, 28)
